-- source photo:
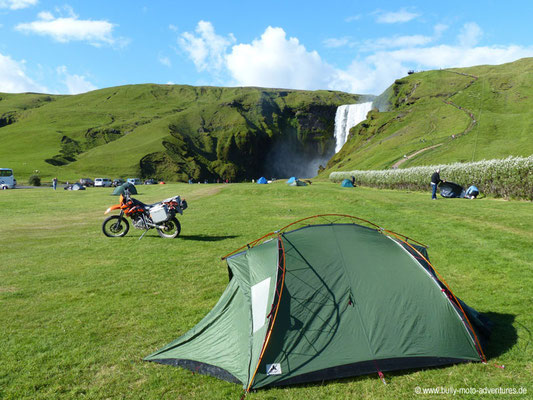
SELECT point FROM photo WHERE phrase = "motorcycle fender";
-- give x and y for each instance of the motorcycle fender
(115, 207)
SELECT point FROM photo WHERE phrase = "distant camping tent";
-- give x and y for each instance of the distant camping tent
(451, 189)
(125, 186)
(262, 180)
(328, 301)
(346, 183)
(292, 179)
(298, 182)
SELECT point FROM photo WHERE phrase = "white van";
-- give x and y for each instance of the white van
(7, 179)
(135, 181)
(102, 182)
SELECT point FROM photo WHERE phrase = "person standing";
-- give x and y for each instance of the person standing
(54, 183)
(435, 180)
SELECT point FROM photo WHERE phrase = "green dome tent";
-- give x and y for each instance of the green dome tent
(125, 186)
(327, 301)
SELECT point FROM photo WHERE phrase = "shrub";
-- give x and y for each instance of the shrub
(509, 178)
(34, 180)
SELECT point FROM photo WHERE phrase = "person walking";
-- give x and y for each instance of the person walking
(435, 180)
(54, 183)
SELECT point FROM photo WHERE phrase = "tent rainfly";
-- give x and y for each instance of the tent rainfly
(451, 190)
(327, 301)
(125, 186)
(262, 181)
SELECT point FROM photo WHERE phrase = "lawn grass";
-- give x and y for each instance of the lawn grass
(79, 310)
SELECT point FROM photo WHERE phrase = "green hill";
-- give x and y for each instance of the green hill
(168, 131)
(444, 116)
(175, 132)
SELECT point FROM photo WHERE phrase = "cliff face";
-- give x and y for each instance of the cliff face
(179, 132)
(273, 133)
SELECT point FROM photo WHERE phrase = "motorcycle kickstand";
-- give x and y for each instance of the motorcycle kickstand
(144, 233)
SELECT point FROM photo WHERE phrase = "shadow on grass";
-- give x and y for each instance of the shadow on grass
(206, 238)
(504, 335)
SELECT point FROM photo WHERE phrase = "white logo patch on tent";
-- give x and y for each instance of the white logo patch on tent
(273, 369)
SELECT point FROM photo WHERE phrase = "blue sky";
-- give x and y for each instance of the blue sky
(355, 46)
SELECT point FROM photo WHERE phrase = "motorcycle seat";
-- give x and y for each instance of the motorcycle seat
(143, 205)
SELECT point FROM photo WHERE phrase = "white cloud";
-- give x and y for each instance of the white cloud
(17, 4)
(275, 61)
(353, 18)
(13, 78)
(75, 84)
(377, 71)
(439, 29)
(165, 61)
(395, 42)
(205, 48)
(394, 17)
(388, 42)
(336, 42)
(66, 29)
(470, 34)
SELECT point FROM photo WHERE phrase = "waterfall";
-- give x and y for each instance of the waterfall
(347, 117)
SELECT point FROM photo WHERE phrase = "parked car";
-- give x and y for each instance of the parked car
(135, 181)
(102, 182)
(87, 182)
(150, 182)
(117, 182)
(7, 179)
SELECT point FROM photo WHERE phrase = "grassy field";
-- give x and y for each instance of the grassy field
(79, 310)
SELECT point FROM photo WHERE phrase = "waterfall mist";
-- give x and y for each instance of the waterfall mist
(288, 157)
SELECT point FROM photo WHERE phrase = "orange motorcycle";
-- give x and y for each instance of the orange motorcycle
(161, 216)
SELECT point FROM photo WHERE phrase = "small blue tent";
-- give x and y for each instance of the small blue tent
(472, 192)
(291, 180)
(346, 183)
(262, 180)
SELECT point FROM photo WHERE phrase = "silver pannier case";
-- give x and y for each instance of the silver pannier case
(159, 213)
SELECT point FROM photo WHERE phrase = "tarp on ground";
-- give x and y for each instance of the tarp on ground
(451, 190)
(346, 183)
(327, 301)
(125, 186)
(262, 180)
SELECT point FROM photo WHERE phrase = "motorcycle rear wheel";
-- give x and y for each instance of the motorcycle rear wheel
(171, 229)
(114, 226)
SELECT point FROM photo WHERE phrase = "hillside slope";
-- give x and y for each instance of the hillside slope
(444, 116)
(169, 131)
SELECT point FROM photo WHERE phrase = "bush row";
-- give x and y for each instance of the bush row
(511, 177)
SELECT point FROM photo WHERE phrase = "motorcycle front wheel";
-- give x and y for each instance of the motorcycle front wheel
(170, 229)
(115, 226)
